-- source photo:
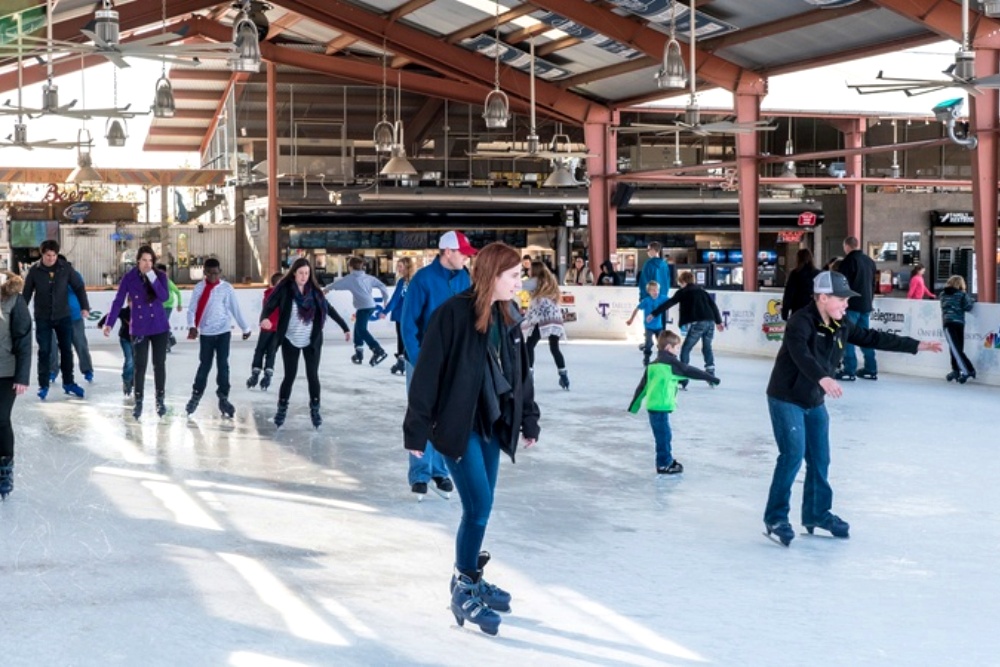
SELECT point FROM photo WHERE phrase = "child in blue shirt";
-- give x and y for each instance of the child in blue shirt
(654, 326)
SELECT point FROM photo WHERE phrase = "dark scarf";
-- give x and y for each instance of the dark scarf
(307, 302)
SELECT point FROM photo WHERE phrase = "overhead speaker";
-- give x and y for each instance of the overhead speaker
(622, 195)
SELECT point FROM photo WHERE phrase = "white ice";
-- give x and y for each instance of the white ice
(212, 542)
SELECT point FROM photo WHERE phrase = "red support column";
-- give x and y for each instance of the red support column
(983, 124)
(603, 219)
(854, 137)
(273, 212)
(747, 175)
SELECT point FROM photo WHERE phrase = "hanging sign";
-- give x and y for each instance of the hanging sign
(790, 237)
(77, 212)
(807, 219)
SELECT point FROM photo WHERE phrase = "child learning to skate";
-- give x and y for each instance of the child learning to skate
(659, 387)
(652, 327)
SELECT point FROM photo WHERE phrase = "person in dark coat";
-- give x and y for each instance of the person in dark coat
(472, 397)
(698, 313)
(302, 310)
(15, 368)
(860, 271)
(802, 376)
(799, 285)
(608, 276)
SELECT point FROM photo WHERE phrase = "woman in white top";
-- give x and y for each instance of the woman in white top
(579, 273)
(302, 310)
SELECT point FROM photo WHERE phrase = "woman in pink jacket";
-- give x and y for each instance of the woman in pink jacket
(918, 289)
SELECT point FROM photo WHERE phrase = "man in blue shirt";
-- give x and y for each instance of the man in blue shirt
(430, 287)
(656, 269)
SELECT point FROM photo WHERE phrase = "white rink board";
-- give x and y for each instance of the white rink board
(752, 324)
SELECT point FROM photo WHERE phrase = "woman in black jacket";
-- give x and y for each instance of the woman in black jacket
(799, 284)
(15, 368)
(472, 397)
(302, 310)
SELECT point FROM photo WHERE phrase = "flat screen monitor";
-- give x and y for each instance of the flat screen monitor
(31, 233)
(734, 256)
(767, 257)
(713, 256)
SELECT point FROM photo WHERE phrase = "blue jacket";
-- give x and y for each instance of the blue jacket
(655, 269)
(395, 305)
(74, 302)
(430, 287)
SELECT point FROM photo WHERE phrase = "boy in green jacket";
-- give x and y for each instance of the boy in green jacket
(659, 387)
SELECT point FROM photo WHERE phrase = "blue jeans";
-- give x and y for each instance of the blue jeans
(213, 348)
(850, 358)
(431, 464)
(79, 344)
(128, 365)
(475, 476)
(659, 421)
(801, 433)
(705, 332)
(649, 342)
(63, 330)
(361, 335)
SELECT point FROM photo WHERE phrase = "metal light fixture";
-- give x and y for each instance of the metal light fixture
(672, 73)
(398, 165)
(106, 23)
(383, 136)
(991, 8)
(84, 175)
(245, 36)
(50, 97)
(562, 175)
(114, 129)
(163, 103)
(496, 110)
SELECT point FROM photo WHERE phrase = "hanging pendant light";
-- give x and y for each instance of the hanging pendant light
(562, 175)
(245, 41)
(84, 175)
(115, 129)
(163, 103)
(106, 24)
(672, 74)
(398, 165)
(383, 136)
(496, 111)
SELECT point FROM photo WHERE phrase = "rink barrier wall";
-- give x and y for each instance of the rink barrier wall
(752, 322)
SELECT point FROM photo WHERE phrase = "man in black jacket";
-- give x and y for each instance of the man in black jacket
(698, 313)
(859, 269)
(802, 376)
(49, 280)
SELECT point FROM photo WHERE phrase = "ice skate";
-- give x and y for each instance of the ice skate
(378, 358)
(495, 597)
(137, 409)
(399, 368)
(73, 389)
(443, 487)
(254, 377)
(564, 379)
(192, 403)
(358, 356)
(314, 415)
(675, 468)
(43, 392)
(89, 376)
(6, 476)
(265, 382)
(279, 416)
(126, 388)
(419, 488)
(161, 406)
(467, 605)
(831, 523)
(781, 533)
(226, 408)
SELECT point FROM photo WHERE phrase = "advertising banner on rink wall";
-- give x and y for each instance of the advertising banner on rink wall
(752, 325)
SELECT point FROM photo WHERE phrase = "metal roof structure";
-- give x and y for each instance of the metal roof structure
(593, 58)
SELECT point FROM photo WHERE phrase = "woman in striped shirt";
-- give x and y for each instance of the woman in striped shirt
(302, 310)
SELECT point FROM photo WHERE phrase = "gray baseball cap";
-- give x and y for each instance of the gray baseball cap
(831, 282)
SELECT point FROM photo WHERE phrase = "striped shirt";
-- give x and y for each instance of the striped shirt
(299, 332)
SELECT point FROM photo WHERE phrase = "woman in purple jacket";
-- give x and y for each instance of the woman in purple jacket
(147, 289)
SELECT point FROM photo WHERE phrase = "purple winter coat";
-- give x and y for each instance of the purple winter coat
(148, 314)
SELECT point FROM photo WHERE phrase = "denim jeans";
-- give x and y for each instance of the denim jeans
(361, 335)
(475, 477)
(801, 433)
(79, 344)
(128, 365)
(704, 331)
(63, 330)
(850, 358)
(659, 421)
(213, 348)
(649, 342)
(431, 464)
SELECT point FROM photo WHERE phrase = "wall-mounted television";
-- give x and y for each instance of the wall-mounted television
(712, 256)
(31, 233)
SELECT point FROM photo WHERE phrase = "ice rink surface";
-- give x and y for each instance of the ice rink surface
(214, 542)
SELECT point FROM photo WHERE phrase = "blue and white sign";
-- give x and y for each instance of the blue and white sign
(78, 211)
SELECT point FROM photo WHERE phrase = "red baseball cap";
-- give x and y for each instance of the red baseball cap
(456, 241)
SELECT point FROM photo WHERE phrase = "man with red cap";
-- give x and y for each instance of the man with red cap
(431, 286)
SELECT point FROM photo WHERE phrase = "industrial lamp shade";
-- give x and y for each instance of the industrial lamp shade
(672, 74)
(398, 165)
(163, 102)
(115, 133)
(247, 57)
(497, 110)
(106, 24)
(383, 136)
(560, 177)
(84, 175)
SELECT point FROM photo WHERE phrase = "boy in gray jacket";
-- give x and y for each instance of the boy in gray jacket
(360, 285)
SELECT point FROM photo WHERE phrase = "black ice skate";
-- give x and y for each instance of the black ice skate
(279, 416)
(314, 415)
(226, 408)
(358, 356)
(378, 358)
(564, 379)
(780, 532)
(192, 404)
(419, 488)
(265, 382)
(399, 368)
(832, 524)
(443, 487)
(254, 377)
(6, 476)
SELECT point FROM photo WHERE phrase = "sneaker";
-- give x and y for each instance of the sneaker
(378, 358)
(846, 377)
(782, 532)
(89, 376)
(444, 484)
(674, 468)
(868, 375)
(832, 524)
(419, 487)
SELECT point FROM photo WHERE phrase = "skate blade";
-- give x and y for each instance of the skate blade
(775, 539)
(444, 494)
(824, 536)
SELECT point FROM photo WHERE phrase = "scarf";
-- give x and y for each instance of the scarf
(306, 302)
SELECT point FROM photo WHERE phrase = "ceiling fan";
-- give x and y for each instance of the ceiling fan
(560, 149)
(692, 114)
(960, 74)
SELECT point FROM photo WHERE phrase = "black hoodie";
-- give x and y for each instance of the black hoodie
(608, 274)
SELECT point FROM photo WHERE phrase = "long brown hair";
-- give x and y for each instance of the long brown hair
(490, 263)
(407, 263)
(548, 286)
(289, 276)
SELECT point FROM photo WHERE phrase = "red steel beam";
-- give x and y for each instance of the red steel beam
(945, 18)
